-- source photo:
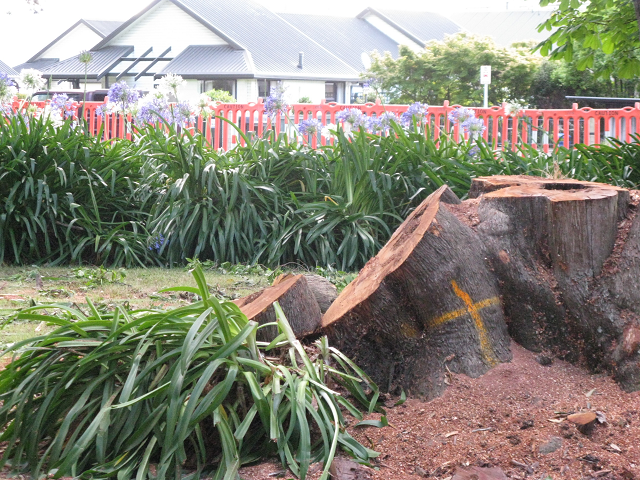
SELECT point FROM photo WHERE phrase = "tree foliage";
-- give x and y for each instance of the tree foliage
(593, 27)
(450, 70)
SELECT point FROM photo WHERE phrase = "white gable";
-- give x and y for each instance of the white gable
(166, 25)
(78, 39)
(392, 33)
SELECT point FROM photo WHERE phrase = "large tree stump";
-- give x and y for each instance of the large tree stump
(425, 303)
(297, 301)
(568, 261)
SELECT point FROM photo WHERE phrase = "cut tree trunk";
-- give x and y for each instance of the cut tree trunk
(324, 291)
(426, 303)
(567, 255)
(297, 301)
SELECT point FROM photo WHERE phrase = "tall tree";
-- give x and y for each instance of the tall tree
(608, 26)
(450, 70)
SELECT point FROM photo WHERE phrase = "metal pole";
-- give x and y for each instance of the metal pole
(486, 95)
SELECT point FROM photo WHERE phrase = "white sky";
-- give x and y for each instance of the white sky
(23, 33)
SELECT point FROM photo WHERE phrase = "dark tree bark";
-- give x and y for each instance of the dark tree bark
(297, 301)
(323, 290)
(567, 255)
(425, 303)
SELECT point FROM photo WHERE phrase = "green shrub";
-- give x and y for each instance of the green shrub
(167, 196)
(68, 197)
(220, 96)
(189, 389)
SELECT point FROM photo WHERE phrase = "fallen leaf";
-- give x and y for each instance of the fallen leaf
(589, 393)
(451, 434)
(556, 420)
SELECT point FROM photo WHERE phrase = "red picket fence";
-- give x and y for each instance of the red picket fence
(543, 129)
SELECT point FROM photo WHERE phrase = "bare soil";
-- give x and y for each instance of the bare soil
(507, 418)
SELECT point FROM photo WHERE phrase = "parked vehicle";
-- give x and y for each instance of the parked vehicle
(73, 94)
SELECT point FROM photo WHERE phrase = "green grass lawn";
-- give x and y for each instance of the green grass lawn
(138, 288)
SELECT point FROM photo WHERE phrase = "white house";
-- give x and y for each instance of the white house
(82, 35)
(241, 47)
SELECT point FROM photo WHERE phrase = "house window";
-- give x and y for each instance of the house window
(225, 85)
(265, 86)
(330, 92)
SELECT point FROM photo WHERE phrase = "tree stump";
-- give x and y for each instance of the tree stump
(297, 301)
(568, 261)
(323, 290)
(425, 303)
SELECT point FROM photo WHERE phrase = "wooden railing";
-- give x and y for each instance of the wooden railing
(543, 129)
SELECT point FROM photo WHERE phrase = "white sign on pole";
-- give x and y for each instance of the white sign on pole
(485, 74)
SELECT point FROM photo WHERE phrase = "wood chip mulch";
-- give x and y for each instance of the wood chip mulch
(513, 418)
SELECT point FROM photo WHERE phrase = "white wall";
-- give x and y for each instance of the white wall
(392, 33)
(79, 39)
(247, 90)
(190, 91)
(295, 89)
(166, 25)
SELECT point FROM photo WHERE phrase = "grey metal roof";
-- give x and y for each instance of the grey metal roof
(202, 61)
(347, 38)
(7, 70)
(505, 27)
(103, 60)
(39, 64)
(272, 42)
(104, 27)
(423, 26)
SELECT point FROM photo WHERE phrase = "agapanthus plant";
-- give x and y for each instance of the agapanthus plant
(416, 112)
(31, 80)
(170, 83)
(461, 115)
(123, 96)
(473, 126)
(7, 88)
(513, 109)
(62, 105)
(351, 118)
(310, 126)
(181, 114)
(275, 103)
(152, 108)
(382, 123)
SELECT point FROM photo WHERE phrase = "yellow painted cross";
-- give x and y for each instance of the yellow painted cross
(472, 309)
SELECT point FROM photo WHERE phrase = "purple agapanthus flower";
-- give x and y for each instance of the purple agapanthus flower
(371, 82)
(152, 110)
(275, 103)
(123, 95)
(61, 104)
(7, 86)
(473, 126)
(182, 113)
(475, 150)
(352, 116)
(156, 242)
(416, 110)
(461, 115)
(309, 127)
(382, 123)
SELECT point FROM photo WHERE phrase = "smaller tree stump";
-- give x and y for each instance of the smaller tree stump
(297, 301)
(324, 291)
